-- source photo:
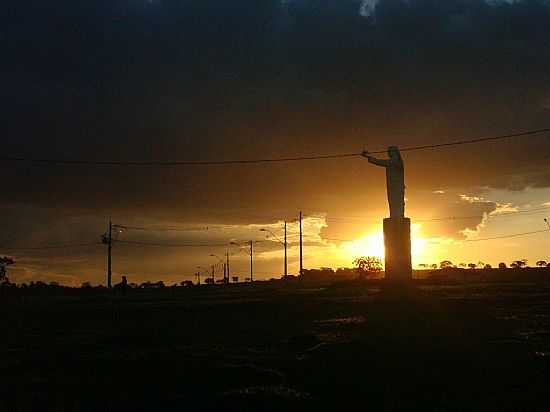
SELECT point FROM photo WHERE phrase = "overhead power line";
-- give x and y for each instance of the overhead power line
(70, 162)
(469, 241)
(167, 229)
(173, 245)
(472, 141)
(508, 236)
(82, 162)
(514, 235)
(48, 247)
(491, 215)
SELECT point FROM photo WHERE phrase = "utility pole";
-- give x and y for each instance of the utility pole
(286, 259)
(107, 239)
(251, 263)
(213, 275)
(301, 250)
(198, 278)
(227, 264)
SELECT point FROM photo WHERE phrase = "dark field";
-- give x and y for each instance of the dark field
(277, 346)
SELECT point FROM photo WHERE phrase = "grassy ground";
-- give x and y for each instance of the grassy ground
(277, 346)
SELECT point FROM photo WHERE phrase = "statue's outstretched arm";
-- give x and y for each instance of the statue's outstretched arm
(375, 161)
(379, 162)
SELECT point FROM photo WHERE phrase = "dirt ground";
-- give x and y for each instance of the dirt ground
(280, 346)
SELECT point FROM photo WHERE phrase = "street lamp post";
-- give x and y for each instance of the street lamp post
(284, 243)
(220, 261)
(227, 267)
(286, 255)
(250, 253)
(199, 275)
(251, 262)
(301, 249)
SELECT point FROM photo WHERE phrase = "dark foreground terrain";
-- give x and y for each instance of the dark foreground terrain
(277, 346)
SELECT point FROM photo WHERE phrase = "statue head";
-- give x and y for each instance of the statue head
(393, 152)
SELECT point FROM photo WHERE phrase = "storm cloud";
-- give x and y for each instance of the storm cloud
(188, 80)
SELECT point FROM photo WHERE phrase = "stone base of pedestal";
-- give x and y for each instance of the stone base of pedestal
(397, 242)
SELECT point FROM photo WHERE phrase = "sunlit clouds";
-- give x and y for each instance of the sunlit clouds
(209, 81)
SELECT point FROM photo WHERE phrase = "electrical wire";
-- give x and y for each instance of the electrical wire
(514, 235)
(72, 162)
(82, 162)
(172, 245)
(490, 215)
(508, 236)
(49, 247)
(166, 229)
(198, 245)
(447, 218)
(474, 141)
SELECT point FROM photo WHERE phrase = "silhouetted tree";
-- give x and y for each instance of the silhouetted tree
(86, 285)
(446, 264)
(434, 265)
(472, 266)
(5, 261)
(519, 264)
(542, 263)
(368, 265)
(488, 266)
(502, 266)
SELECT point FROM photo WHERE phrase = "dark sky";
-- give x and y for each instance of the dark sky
(201, 80)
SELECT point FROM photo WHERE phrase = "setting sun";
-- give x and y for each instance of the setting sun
(369, 245)
(373, 245)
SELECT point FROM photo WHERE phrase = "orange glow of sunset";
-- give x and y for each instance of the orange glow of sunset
(373, 245)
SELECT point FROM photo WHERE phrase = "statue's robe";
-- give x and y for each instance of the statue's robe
(395, 181)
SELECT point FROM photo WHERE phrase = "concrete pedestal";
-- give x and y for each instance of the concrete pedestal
(397, 241)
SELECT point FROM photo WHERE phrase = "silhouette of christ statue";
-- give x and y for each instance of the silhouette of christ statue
(395, 180)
